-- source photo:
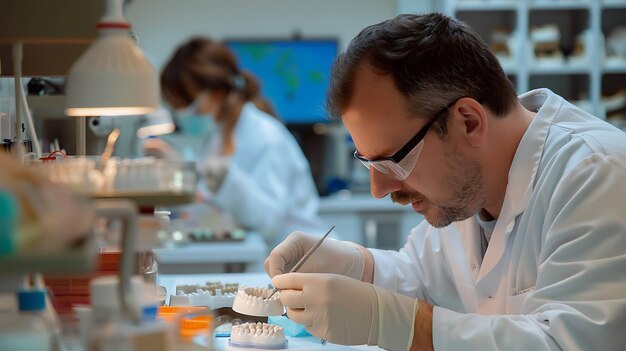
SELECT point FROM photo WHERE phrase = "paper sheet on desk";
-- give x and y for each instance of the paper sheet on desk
(302, 344)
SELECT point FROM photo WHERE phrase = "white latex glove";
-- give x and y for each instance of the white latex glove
(333, 256)
(347, 311)
(161, 149)
(213, 171)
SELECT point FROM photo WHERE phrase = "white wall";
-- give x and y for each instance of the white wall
(161, 25)
(418, 6)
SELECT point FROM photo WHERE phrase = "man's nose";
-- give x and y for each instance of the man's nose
(382, 184)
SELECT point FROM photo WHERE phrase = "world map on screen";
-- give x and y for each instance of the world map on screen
(294, 74)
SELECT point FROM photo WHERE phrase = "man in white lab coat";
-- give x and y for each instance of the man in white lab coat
(524, 243)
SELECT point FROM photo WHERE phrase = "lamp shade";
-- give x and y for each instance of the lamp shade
(112, 77)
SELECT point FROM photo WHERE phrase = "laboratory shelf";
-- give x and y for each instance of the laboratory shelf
(340, 203)
(621, 68)
(145, 198)
(555, 70)
(509, 68)
(79, 260)
(486, 5)
(582, 28)
(203, 257)
(615, 4)
(560, 5)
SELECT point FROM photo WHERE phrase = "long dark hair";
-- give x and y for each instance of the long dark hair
(203, 64)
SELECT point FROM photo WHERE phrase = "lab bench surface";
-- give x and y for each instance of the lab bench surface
(170, 281)
(362, 202)
(300, 344)
(214, 257)
(376, 223)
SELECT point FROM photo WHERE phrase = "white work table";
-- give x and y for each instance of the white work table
(170, 281)
(214, 257)
(361, 218)
(362, 202)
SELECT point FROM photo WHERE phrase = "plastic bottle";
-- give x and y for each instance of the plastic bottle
(112, 330)
(32, 307)
(106, 304)
(36, 302)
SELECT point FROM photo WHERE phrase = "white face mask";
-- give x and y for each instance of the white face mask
(195, 130)
(194, 124)
(199, 127)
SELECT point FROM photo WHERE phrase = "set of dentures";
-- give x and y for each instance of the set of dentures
(258, 335)
(253, 301)
(209, 286)
(213, 295)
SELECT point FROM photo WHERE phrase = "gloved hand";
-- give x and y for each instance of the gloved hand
(159, 148)
(347, 311)
(213, 170)
(333, 256)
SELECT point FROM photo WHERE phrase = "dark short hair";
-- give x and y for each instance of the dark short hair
(433, 59)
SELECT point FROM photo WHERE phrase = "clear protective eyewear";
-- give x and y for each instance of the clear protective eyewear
(401, 164)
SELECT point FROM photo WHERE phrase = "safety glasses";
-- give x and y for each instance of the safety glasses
(401, 164)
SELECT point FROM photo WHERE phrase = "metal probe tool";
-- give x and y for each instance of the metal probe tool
(305, 257)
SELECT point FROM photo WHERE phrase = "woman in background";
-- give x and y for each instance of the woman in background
(249, 161)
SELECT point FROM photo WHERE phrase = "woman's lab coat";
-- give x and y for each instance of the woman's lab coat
(554, 274)
(268, 187)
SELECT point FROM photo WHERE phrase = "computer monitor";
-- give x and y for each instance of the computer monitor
(294, 74)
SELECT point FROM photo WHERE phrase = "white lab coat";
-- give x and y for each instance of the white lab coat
(268, 187)
(554, 273)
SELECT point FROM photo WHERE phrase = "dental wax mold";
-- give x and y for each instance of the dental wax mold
(212, 295)
(258, 336)
(253, 301)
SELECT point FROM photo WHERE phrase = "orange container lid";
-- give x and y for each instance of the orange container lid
(190, 325)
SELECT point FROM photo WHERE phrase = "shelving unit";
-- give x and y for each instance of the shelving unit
(78, 260)
(584, 79)
(147, 198)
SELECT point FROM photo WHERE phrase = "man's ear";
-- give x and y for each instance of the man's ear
(470, 118)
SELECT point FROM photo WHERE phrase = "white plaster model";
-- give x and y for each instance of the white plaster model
(544, 49)
(258, 336)
(210, 286)
(203, 298)
(253, 301)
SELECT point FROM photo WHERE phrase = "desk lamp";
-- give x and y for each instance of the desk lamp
(112, 77)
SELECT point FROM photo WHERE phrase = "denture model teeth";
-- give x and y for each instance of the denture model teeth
(258, 336)
(253, 301)
(211, 286)
(203, 298)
